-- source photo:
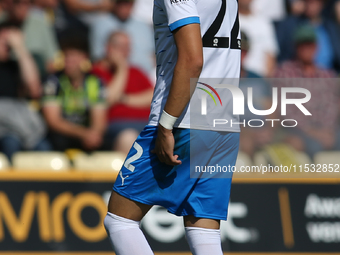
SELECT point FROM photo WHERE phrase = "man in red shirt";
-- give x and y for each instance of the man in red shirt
(129, 94)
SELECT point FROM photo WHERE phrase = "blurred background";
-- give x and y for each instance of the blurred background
(76, 83)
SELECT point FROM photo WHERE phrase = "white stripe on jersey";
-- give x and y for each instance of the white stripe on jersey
(221, 43)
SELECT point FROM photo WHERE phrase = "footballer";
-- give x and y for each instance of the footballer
(194, 39)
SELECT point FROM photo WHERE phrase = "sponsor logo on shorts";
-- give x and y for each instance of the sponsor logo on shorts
(123, 178)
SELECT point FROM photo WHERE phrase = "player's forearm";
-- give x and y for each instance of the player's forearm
(189, 65)
(180, 94)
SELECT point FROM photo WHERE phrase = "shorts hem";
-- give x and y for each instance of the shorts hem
(200, 215)
(132, 198)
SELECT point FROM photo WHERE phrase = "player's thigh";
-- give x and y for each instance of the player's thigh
(192, 221)
(127, 208)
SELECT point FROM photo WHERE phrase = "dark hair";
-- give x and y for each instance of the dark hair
(72, 40)
(8, 25)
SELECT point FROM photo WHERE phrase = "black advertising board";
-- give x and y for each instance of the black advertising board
(64, 213)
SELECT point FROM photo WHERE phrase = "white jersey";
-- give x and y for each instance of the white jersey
(219, 24)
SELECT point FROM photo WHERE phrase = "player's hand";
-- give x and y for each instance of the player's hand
(164, 149)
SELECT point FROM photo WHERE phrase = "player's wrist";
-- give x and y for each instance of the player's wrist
(167, 121)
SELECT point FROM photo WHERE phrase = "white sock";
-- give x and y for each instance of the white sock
(203, 241)
(126, 236)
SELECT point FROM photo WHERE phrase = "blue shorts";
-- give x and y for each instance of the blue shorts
(143, 178)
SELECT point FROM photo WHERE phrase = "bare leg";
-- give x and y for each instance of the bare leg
(127, 208)
(191, 221)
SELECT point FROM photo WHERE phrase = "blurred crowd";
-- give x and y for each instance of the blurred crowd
(79, 74)
(284, 41)
(74, 74)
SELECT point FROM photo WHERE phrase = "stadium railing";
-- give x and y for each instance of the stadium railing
(41, 161)
(4, 163)
(327, 157)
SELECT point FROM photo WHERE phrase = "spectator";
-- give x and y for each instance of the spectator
(141, 34)
(337, 11)
(297, 7)
(39, 36)
(261, 58)
(46, 9)
(272, 10)
(2, 7)
(143, 10)
(319, 131)
(87, 9)
(88, 6)
(73, 104)
(328, 35)
(329, 10)
(79, 14)
(129, 94)
(20, 128)
(253, 139)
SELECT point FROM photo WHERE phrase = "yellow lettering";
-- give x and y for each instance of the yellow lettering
(44, 217)
(51, 223)
(86, 233)
(18, 226)
(58, 207)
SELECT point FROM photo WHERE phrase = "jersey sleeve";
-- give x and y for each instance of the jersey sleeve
(181, 13)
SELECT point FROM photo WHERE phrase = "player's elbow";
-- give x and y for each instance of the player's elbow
(195, 64)
(191, 63)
